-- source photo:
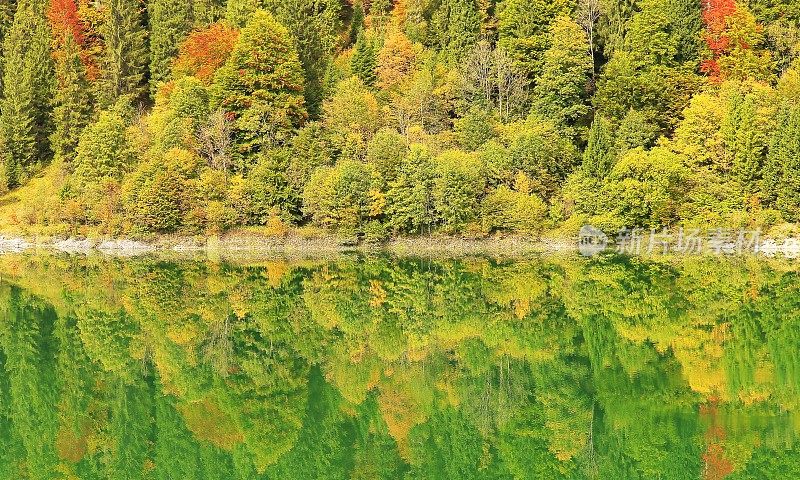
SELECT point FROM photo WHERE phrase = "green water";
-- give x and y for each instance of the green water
(379, 368)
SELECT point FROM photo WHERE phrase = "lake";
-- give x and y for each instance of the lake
(372, 367)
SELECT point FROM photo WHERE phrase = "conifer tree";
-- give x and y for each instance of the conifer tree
(72, 104)
(170, 22)
(598, 158)
(364, 60)
(25, 122)
(781, 184)
(561, 90)
(124, 62)
(458, 25)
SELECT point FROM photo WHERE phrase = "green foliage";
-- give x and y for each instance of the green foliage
(339, 197)
(170, 22)
(645, 189)
(72, 101)
(103, 151)
(523, 27)
(562, 89)
(457, 189)
(782, 170)
(457, 25)
(25, 123)
(125, 57)
(410, 201)
(474, 129)
(261, 86)
(364, 61)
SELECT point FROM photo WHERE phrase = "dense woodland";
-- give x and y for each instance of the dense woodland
(381, 368)
(374, 119)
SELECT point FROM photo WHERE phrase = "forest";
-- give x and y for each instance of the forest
(373, 119)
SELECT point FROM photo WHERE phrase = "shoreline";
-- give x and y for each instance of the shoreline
(248, 244)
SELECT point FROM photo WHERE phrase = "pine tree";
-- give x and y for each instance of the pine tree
(72, 104)
(598, 158)
(7, 8)
(25, 122)
(124, 63)
(314, 27)
(364, 61)
(561, 91)
(457, 24)
(170, 22)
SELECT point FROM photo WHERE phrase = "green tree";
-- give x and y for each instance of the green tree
(365, 60)
(409, 198)
(261, 86)
(170, 23)
(561, 90)
(25, 110)
(103, 151)
(781, 185)
(523, 27)
(72, 102)
(339, 197)
(457, 189)
(125, 57)
(457, 24)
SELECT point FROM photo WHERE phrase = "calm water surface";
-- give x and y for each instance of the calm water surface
(380, 368)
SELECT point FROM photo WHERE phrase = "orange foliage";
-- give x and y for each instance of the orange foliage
(63, 16)
(204, 51)
(715, 465)
(395, 60)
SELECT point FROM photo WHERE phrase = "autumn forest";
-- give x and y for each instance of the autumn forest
(375, 119)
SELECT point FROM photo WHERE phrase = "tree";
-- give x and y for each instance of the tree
(457, 189)
(599, 155)
(72, 101)
(364, 62)
(457, 24)
(733, 38)
(314, 27)
(169, 23)
(124, 62)
(25, 124)
(410, 201)
(103, 151)
(352, 116)
(205, 51)
(561, 91)
(523, 27)
(261, 88)
(339, 197)
(781, 185)
(395, 59)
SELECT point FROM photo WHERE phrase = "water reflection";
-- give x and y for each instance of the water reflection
(379, 368)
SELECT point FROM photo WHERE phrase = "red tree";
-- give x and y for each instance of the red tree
(204, 51)
(64, 20)
(715, 16)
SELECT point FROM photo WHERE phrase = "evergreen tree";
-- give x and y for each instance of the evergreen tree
(457, 25)
(25, 122)
(170, 22)
(7, 8)
(561, 91)
(781, 185)
(314, 27)
(598, 158)
(356, 23)
(364, 61)
(523, 28)
(124, 63)
(72, 102)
